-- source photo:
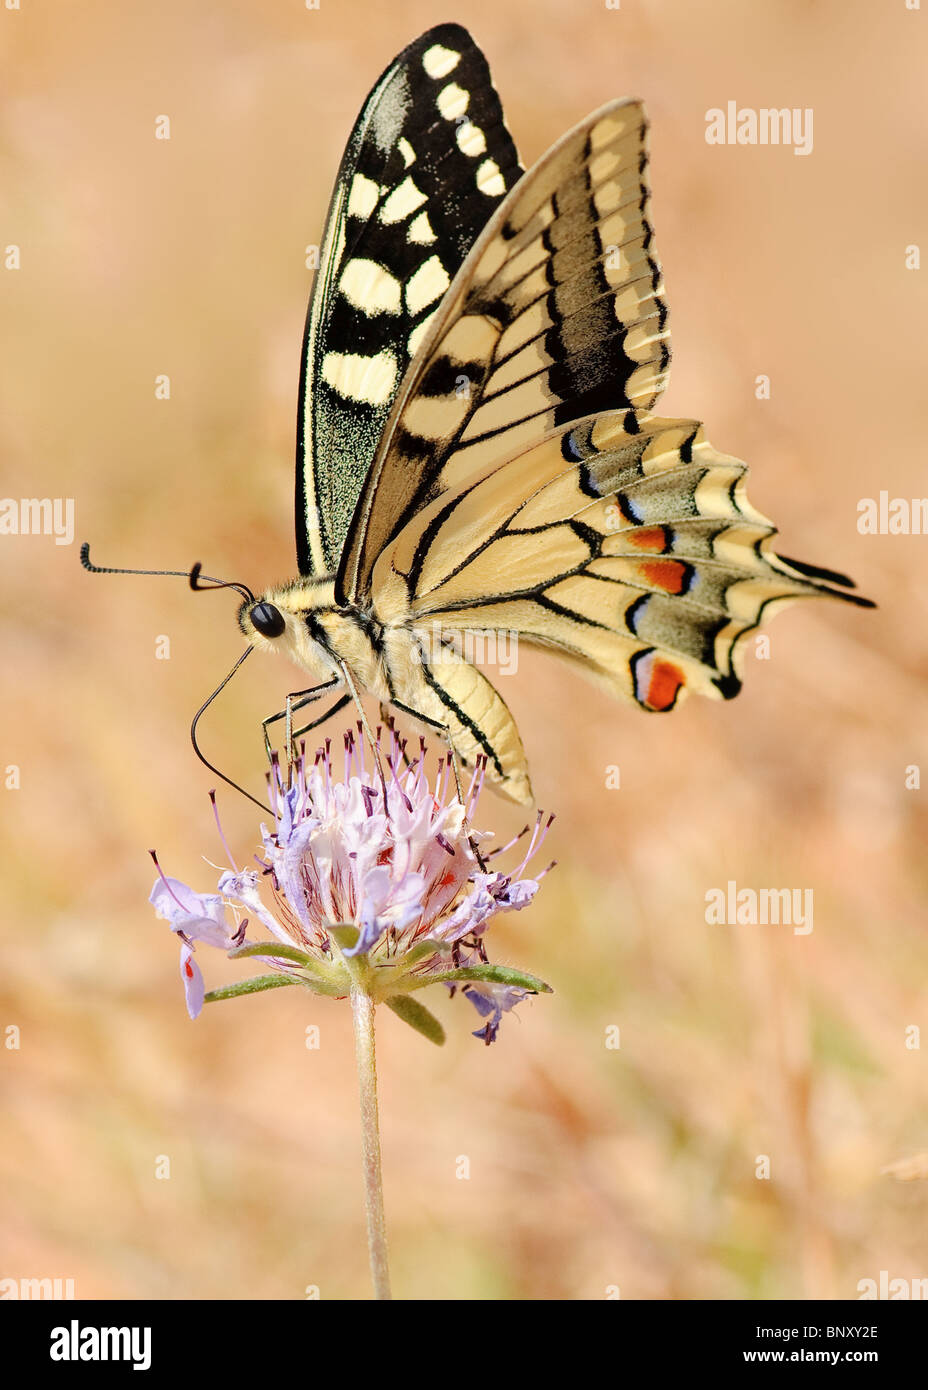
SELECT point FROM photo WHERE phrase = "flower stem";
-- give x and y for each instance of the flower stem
(362, 1009)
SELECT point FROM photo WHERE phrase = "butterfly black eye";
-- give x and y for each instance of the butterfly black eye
(267, 619)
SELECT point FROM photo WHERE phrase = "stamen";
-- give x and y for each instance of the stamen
(501, 849)
(212, 797)
(476, 786)
(539, 836)
(442, 795)
(182, 906)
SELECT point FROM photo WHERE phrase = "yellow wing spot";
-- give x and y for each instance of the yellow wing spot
(370, 288)
(402, 202)
(438, 61)
(428, 284)
(357, 378)
(616, 125)
(420, 230)
(453, 101)
(417, 336)
(609, 195)
(471, 139)
(363, 196)
(435, 419)
(604, 164)
(407, 151)
(489, 179)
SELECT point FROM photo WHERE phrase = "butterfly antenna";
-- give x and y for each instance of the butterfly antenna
(198, 716)
(197, 580)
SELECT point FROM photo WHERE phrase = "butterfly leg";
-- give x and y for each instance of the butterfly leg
(340, 703)
(386, 718)
(456, 769)
(296, 700)
(353, 692)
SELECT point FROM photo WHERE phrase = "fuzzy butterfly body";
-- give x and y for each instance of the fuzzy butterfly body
(476, 449)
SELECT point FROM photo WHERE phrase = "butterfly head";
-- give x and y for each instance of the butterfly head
(288, 620)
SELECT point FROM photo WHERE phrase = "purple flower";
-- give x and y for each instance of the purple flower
(194, 917)
(363, 880)
(491, 1001)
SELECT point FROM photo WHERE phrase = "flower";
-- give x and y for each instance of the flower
(375, 881)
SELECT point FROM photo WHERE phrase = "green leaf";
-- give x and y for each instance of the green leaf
(252, 986)
(495, 974)
(418, 1017)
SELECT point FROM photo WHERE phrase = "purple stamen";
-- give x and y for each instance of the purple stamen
(183, 906)
(212, 797)
(502, 849)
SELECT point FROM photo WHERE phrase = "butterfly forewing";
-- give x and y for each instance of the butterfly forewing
(557, 312)
(427, 163)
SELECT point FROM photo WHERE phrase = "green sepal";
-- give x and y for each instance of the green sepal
(419, 952)
(278, 951)
(417, 1016)
(252, 986)
(318, 977)
(493, 974)
(346, 936)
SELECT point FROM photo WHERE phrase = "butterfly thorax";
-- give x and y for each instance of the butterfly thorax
(400, 662)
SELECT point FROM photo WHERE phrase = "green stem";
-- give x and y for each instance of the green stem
(362, 1009)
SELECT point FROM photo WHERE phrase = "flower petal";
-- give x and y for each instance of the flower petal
(200, 916)
(491, 1001)
(192, 977)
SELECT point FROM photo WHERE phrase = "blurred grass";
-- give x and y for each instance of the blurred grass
(589, 1166)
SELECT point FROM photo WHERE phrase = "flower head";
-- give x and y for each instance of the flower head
(372, 880)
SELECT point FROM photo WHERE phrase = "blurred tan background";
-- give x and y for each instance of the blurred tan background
(589, 1167)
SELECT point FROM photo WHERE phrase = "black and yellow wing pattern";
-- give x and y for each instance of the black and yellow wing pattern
(478, 449)
(428, 160)
(546, 498)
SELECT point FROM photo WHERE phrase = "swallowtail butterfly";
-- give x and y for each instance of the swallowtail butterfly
(476, 450)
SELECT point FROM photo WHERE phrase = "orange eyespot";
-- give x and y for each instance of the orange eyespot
(673, 576)
(658, 682)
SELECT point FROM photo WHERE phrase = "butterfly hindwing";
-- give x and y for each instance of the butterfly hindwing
(624, 542)
(557, 312)
(428, 161)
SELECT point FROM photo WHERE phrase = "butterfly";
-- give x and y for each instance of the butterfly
(476, 450)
